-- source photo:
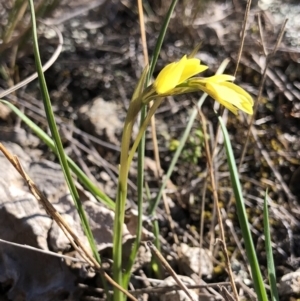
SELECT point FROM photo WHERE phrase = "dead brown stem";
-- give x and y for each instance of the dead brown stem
(222, 239)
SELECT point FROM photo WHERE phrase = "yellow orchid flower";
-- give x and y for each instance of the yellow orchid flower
(176, 73)
(177, 78)
(228, 94)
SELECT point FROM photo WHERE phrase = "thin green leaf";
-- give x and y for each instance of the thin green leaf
(56, 137)
(242, 216)
(155, 264)
(270, 259)
(161, 38)
(140, 85)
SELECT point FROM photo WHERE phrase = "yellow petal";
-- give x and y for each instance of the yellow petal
(191, 68)
(227, 95)
(224, 96)
(229, 106)
(169, 76)
(219, 78)
(224, 93)
(248, 108)
(212, 92)
(239, 90)
(176, 73)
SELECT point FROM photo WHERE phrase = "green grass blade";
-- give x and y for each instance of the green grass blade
(155, 264)
(160, 39)
(15, 15)
(87, 183)
(56, 137)
(242, 216)
(270, 259)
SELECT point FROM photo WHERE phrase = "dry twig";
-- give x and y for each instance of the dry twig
(169, 269)
(222, 239)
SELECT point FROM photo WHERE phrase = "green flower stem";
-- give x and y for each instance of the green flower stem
(140, 185)
(120, 208)
(125, 162)
(143, 127)
(133, 110)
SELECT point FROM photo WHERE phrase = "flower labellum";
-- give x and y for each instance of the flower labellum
(228, 94)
